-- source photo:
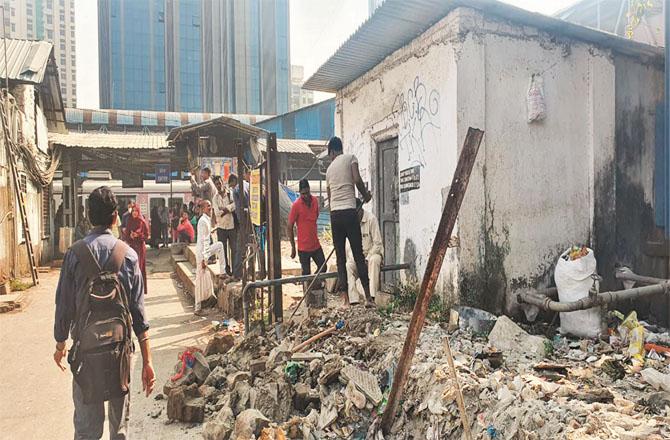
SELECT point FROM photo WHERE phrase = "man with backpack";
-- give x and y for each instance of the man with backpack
(100, 302)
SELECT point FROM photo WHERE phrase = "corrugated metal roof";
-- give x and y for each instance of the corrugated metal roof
(26, 60)
(110, 140)
(221, 121)
(295, 146)
(397, 22)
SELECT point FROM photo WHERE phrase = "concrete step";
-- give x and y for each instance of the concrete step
(186, 274)
(189, 252)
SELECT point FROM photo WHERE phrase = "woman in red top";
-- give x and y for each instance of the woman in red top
(185, 231)
(137, 232)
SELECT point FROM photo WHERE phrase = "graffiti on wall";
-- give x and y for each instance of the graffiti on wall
(416, 111)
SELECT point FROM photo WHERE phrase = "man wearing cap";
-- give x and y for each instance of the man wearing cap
(342, 179)
(304, 213)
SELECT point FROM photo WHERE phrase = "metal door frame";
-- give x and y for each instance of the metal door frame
(380, 146)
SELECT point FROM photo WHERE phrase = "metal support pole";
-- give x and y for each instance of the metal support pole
(274, 227)
(459, 184)
(666, 10)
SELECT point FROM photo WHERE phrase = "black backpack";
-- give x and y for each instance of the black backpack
(102, 347)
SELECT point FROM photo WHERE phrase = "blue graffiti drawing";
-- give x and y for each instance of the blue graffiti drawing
(417, 114)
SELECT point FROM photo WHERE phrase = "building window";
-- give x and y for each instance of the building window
(23, 183)
(62, 33)
(50, 35)
(62, 18)
(62, 3)
(13, 12)
(72, 34)
(161, 17)
(13, 27)
(50, 19)
(46, 212)
(62, 45)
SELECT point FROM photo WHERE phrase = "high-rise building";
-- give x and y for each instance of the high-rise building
(219, 56)
(299, 96)
(53, 21)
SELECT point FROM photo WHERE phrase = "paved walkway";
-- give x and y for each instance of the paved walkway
(36, 399)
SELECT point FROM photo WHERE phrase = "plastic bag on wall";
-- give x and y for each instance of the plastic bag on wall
(537, 108)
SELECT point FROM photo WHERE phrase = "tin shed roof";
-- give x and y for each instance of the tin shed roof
(396, 23)
(26, 60)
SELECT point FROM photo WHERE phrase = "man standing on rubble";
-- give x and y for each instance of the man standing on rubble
(342, 179)
(203, 250)
(304, 213)
(102, 250)
(373, 249)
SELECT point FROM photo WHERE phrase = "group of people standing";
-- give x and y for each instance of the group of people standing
(356, 235)
(222, 208)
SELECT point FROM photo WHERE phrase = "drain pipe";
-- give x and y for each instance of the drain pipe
(599, 299)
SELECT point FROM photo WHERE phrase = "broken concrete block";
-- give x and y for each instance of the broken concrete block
(279, 354)
(306, 357)
(216, 360)
(220, 344)
(185, 404)
(194, 410)
(330, 371)
(509, 337)
(240, 398)
(220, 427)
(232, 379)
(187, 379)
(200, 367)
(216, 378)
(383, 299)
(274, 398)
(354, 396)
(365, 382)
(327, 415)
(257, 366)
(304, 395)
(209, 393)
(656, 379)
(249, 424)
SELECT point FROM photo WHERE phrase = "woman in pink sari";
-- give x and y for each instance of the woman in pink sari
(137, 232)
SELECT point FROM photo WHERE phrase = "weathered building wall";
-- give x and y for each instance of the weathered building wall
(532, 194)
(6, 217)
(639, 108)
(411, 96)
(538, 187)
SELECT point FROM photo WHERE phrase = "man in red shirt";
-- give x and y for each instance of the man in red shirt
(304, 213)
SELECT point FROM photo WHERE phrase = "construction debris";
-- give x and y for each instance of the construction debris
(515, 385)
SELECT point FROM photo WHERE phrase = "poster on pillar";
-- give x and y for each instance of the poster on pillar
(255, 196)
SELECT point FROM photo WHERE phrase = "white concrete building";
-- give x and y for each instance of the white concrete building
(418, 73)
(34, 108)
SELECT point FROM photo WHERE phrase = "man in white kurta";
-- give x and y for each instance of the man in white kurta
(373, 250)
(204, 249)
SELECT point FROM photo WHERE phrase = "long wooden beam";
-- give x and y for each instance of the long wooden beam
(459, 184)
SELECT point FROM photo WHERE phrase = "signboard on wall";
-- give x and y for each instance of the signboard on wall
(410, 179)
(255, 196)
(163, 174)
(220, 166)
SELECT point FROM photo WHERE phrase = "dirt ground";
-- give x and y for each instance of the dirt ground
(41, 404)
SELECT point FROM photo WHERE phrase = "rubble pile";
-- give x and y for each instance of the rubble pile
(515, 385)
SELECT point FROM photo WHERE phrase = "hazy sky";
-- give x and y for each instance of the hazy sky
(318, 28)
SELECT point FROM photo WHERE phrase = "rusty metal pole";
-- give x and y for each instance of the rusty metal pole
(274, 227)
(459, 184)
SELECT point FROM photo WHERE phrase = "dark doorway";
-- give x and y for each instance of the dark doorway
(387, 208)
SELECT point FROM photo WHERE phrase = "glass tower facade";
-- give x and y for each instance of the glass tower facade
(227, 56)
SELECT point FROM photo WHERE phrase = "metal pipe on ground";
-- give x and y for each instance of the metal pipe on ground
(295, 280)
(626, 274)
(546, 303)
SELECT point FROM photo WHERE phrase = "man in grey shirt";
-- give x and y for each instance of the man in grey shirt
(342, 179)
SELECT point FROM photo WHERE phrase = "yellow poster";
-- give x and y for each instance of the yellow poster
(255, 196)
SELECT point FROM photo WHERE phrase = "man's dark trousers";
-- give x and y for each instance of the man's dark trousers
(307, 257)
(346, 226)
